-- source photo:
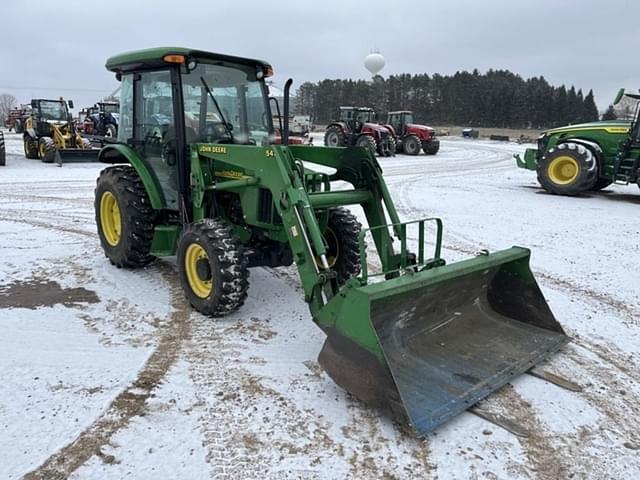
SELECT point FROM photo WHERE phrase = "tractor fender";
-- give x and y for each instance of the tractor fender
(120, 153)
(593, 146)
(390, 128)
(28, 128)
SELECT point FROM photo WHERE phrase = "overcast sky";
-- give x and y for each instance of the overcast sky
(59, 48)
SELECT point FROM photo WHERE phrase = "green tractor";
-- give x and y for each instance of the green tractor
(201, 177)
(587, 157)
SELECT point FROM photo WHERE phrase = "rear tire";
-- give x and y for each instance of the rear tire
(568, 169)
(600, 184)
(213, 268)
(411, 145)
(3, 152)
(46, 149)
(341, 235)
(335, 137)
(368, 142)
(30, 147)
(124, 217)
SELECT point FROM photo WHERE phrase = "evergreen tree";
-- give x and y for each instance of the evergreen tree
(610, 114)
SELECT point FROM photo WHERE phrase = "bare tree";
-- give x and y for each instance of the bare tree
(7, 102)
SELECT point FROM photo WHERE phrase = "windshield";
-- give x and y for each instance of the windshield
(408, 118)
(241, 103)
(363, 116)
(52, 110)
(111, 108)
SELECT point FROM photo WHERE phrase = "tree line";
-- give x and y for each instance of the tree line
(497, 98)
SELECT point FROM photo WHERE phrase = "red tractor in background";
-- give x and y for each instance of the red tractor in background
(355, 127)
(411, 137)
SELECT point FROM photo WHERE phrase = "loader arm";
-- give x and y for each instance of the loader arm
(279, 169)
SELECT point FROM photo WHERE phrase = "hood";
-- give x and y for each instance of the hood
(611, 126)
(422, 128)
(376, 127)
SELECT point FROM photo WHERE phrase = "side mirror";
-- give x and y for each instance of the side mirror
(70, 103)
(619, 96)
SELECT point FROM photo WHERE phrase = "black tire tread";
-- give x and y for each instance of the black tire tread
(50, 149)
(408, 139)
(346, 227)
(133, 250)
(342, 142)
(587, 177)
(3, 151)
(371, 144)
(232, 267)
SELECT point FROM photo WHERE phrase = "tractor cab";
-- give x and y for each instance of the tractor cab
(172, 98)
(51, 110)
(356, 117)
(399, 120)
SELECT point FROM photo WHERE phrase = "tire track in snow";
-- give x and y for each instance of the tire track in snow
(131, 401)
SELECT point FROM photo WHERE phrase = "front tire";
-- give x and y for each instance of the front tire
(411, 145)
(46, 150)
(213, 268)
(431, 147)
(568, 169)
(335, 137)
(124, 217)
(343, 253)
(30, 147)
(368, 142)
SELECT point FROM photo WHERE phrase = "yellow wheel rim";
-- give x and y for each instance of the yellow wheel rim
(110, 219)
(42, 150)
(563, 170)
(333, 250)
(201, 287)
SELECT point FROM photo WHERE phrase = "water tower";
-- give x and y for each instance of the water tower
(374, 62)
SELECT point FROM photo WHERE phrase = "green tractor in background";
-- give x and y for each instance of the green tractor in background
(587, 157)
(197, 174)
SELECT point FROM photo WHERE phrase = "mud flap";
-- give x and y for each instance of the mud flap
(448, 337)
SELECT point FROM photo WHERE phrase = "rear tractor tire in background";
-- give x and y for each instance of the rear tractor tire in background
(568, 169)
(335, 137)
(411, 145)
(46, 149)
(213, 269)
(343, 252)
(3, 151)
(124, 217)
(30, 147)
(368, 142)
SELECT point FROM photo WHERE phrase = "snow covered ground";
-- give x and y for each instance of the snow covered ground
(108, 374)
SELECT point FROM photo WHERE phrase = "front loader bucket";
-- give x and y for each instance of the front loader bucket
(77, 155)
(426, 346)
